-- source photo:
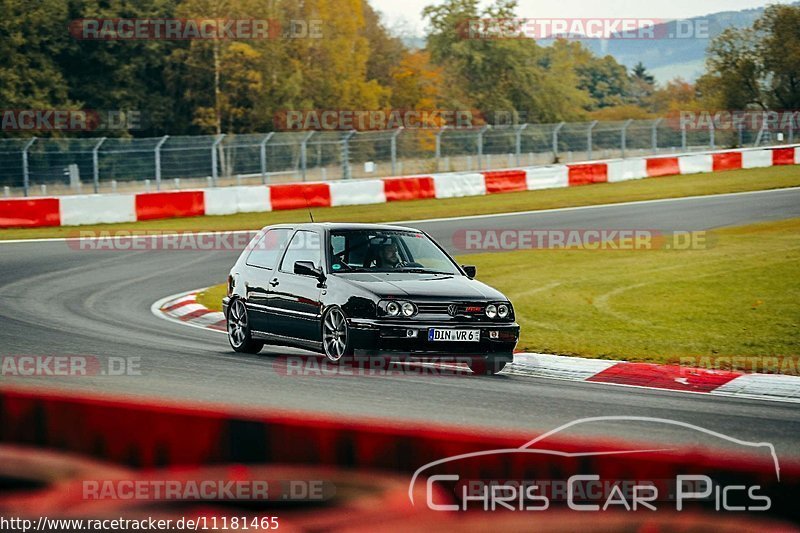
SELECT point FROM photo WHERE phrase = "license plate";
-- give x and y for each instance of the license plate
(454, 335)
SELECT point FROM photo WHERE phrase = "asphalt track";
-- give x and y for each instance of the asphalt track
(56, 300)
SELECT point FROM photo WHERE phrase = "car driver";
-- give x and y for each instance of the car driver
(388, 256)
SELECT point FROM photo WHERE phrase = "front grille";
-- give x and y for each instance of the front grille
(433, 308)
(461, 309)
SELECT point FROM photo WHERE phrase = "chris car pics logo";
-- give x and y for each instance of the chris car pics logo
(586, 490)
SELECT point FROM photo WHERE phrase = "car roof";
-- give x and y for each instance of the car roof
(342, 226)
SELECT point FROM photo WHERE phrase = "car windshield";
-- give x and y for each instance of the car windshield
(387, 251)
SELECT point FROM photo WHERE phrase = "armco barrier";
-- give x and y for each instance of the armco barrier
(783, 156)
(29, 212)
(357, 192)
(505, 181)
(662, 166)
(300, 196)
(96, 209)
(157, 434)
(727, 161)
(626, 169)
(586, 173)
(156, 205)
(458, 185)
(757, 158)
(549, 177)
(230, 200)
(414, 188)
(696, 163)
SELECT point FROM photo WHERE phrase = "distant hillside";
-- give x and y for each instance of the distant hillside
(666, 58)
(669, 58)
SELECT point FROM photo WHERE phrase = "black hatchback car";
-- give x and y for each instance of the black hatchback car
(354, 290)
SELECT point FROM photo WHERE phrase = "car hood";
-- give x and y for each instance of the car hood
(422, 286)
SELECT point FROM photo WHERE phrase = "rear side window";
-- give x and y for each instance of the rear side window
(266, 251)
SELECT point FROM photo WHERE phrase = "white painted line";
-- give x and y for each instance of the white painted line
(596, 206)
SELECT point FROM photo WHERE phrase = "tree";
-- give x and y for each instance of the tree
(603, 78)
(502, 75)
(642, 85)
(386, 51)
(121, 74)
(733, 78)
(639, 72)
(756, 67)
(33, 38)
(677, 95)
(333, 69)
(779, 49)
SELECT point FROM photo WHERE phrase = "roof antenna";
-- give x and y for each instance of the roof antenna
(310, 215)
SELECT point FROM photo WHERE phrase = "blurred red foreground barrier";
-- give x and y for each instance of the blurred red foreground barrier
(156, 434)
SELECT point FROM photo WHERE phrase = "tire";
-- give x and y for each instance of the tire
(238, 326)
(487, 366)
(336, 342)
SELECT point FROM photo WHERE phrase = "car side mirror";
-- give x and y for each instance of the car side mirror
(307, 268)
(470, 270)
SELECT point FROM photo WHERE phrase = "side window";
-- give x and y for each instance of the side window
(267, 250)
(304, 246)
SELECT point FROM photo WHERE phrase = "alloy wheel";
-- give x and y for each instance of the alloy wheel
(334, 335)
(237, 324)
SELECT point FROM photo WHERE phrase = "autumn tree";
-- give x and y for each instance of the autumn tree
(756, 67)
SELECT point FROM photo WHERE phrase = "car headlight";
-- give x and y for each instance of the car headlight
(502, 311)
(491, 311)
(393, 309)
(408, 309)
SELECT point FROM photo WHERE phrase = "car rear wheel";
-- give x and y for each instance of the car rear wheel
(239, 329)
(335, 335)
(487, 366)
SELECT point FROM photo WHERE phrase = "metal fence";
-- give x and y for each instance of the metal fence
(70, 166)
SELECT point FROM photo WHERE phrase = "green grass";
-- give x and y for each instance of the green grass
(668, 187)
(212, 297)
(739, 297)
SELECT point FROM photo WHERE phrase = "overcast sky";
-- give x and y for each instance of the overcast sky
(409, 10)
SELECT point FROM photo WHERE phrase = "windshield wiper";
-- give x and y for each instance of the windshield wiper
(417, 270)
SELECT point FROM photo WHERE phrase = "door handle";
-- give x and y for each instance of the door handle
(274, 282)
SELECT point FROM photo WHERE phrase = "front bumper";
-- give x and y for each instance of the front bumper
(371, 337)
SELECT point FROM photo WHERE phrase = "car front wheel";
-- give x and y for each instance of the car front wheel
(239, 329)
(335, 335)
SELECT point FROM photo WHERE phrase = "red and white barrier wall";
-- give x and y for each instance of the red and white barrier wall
(111, 208)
